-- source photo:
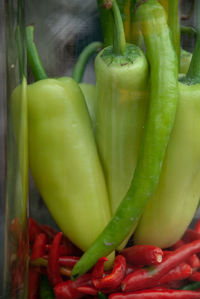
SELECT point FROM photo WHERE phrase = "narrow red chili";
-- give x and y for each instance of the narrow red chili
(88, 290)
(98, 270)
(65, 261)
(68, 261)
(148, 278)
(34, 275)
(130, 269)
(112, 280)
(143, 255)
(197, 226)
(195, 276)
(157, 294)
(53, 270)
(194, 261)
(69, 289)
(180, 272)
(49, 231)
(34, 230)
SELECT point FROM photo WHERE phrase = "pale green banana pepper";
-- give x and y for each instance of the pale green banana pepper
(121, 110)
(173, 204)
(64, 161)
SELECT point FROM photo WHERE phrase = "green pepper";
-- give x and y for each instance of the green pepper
(158, 127)
(121, 110)
(64, 160)
(174, 202)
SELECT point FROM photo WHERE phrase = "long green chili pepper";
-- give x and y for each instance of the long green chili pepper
(176, 197)
(159, 124)
(63, 156)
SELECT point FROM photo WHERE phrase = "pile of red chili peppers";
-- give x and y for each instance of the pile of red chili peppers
(139, 271)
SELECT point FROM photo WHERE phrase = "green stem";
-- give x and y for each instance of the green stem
(194, 69)
(83, 59)
(188, 30)
(173, 19)
(33, 56)
(106, 24)
(119, 42)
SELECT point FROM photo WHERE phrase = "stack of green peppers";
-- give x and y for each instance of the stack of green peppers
(164, 191)
(120, 156)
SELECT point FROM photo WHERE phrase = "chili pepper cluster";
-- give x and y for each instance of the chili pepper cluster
(139, 271)
(113, 163)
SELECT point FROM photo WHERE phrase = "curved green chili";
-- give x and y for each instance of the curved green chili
(83, 59)
(160, 120)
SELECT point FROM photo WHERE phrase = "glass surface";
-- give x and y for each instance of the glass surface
(14, 159)
(33, 169)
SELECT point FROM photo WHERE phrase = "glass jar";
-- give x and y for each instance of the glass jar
(120, 144)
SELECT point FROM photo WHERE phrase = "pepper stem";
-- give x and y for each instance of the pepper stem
(33, 56)
(119, 41)
(194, 69)
(83, 59)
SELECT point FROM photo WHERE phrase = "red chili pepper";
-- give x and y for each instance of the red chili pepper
(34, 230)
(157, 294)
(180, 272)
(177, 245)
(143, 255)
(112, 280)
(68, 289)
(68, 261)
(197, 226)
(99, 267)
(194, 261)
(190, 236)
(130, 269)
(49, 231)
(88, 290)
(53, 270)
(195, 276)
(148, 278)
(34, 275)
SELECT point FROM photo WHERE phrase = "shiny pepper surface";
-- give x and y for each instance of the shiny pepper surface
(64, 161)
